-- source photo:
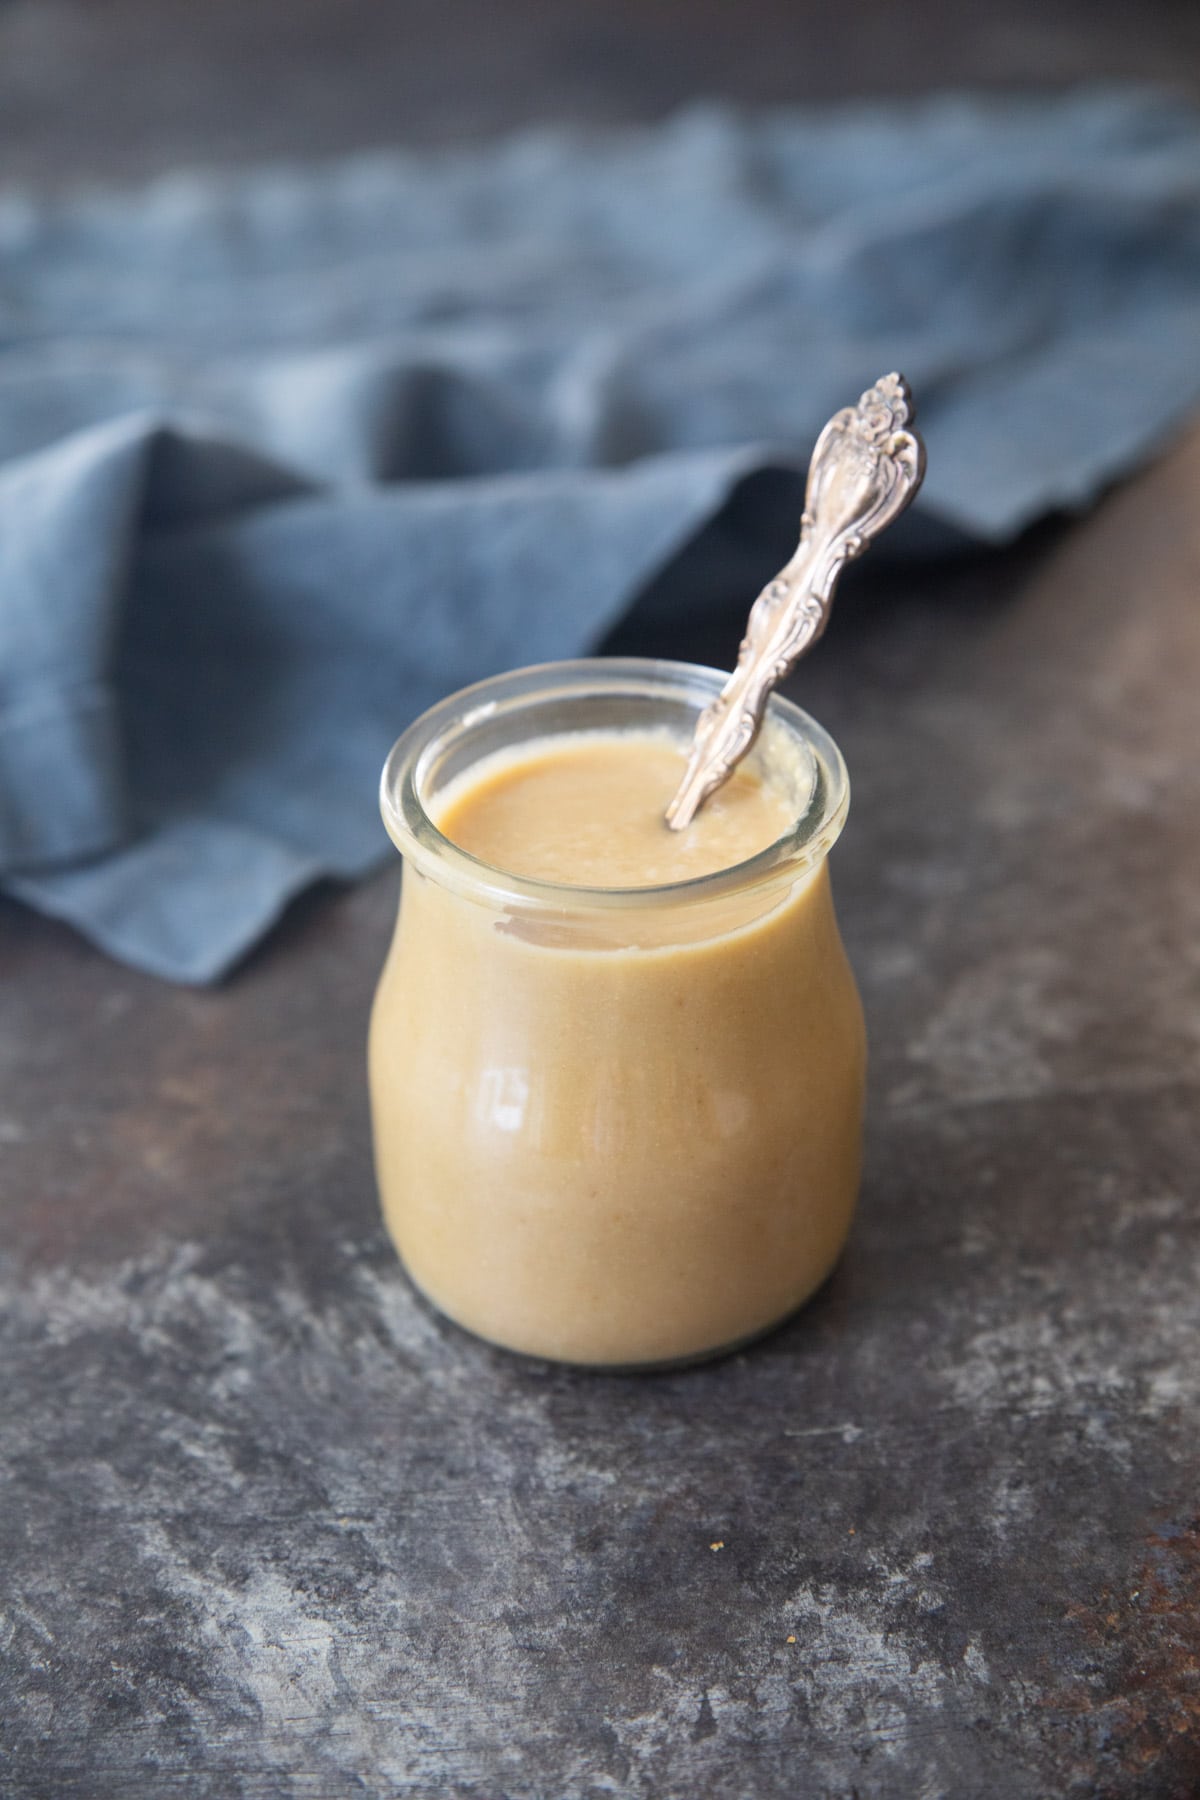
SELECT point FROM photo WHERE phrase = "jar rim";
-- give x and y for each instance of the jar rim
(411, 828)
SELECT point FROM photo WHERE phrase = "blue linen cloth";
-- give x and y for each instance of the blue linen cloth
(287, 455)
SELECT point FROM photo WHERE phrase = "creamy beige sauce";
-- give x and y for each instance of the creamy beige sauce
(588, 810)
(625, 1142)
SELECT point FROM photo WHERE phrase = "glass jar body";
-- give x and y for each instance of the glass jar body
(617, 1130)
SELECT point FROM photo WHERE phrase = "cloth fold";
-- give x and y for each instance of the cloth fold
(285, 456)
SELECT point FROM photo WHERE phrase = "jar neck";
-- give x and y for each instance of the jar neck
(602, 695)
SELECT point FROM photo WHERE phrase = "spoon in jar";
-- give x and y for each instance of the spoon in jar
(865, 469)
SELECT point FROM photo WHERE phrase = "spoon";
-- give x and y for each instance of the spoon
(865, 469)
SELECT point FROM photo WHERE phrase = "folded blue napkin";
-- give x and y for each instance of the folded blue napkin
(287, 455)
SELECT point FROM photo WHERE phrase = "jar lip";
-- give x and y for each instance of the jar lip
(411, 828)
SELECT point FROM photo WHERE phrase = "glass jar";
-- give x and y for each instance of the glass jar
(615, 1126)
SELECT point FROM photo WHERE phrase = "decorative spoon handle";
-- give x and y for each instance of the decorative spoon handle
(865, 469)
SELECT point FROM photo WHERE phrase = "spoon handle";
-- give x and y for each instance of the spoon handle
(865, 469)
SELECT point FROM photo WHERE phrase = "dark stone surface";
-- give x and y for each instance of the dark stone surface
(109, 88)
(268, 1527)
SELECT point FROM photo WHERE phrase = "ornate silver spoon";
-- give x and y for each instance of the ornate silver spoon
(865, 469)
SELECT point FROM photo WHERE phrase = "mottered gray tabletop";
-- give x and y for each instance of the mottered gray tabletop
(270, 1527)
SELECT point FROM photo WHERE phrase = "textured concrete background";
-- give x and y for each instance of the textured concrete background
(269, 1528)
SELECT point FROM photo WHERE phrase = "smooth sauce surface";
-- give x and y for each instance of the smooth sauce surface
(588, 810)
